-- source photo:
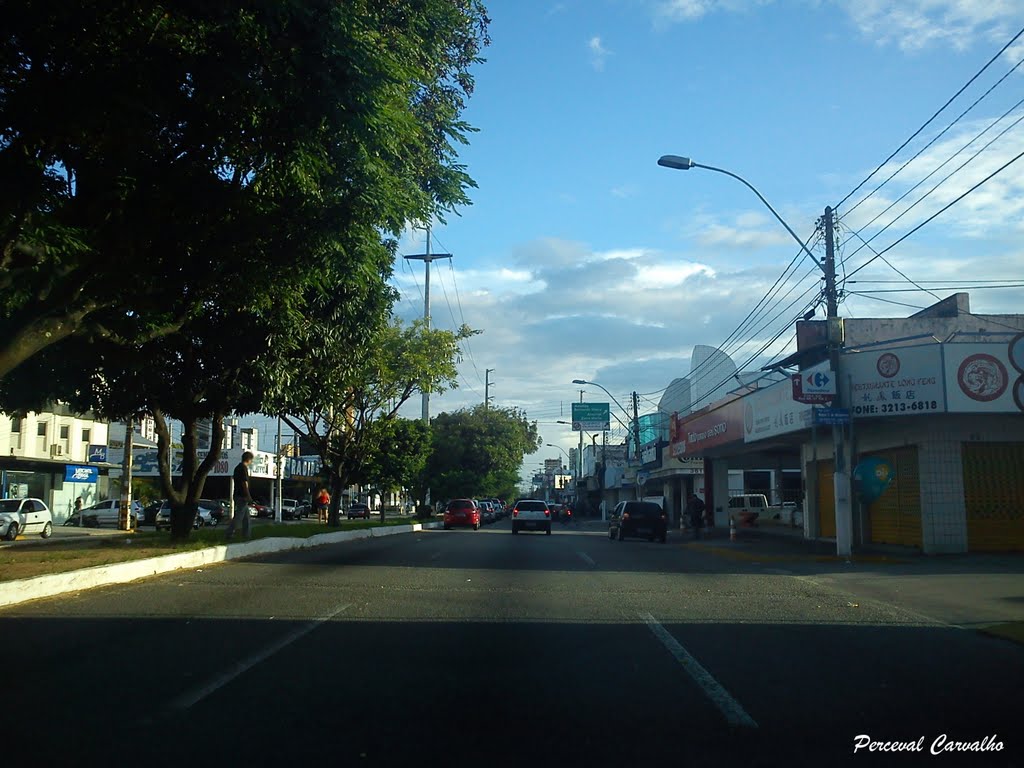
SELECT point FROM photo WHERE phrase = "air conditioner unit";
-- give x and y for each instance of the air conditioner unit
(56, 450)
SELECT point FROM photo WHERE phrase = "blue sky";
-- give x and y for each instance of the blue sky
(581, 258)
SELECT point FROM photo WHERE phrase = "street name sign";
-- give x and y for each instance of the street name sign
(832, 416)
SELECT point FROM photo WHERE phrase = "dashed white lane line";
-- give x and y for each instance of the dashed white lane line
(586, 558)
(196, 695)
(726, 704)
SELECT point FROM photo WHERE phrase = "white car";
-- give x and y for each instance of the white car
(531, 515)
(106, 513)
(24, 516)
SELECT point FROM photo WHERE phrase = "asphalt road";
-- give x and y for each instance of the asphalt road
(458, 647)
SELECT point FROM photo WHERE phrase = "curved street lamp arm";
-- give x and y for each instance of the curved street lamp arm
(768, 205)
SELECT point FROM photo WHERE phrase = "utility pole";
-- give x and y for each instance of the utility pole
(636, 425)
(840, 475)
(426, 258)
(487, 388)
(280, 474)
(579, 457)
(124, 516)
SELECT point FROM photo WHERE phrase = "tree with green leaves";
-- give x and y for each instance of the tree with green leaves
(155, 155)
(186, 186)
(399, 455)
(477, 452)
(349, 411)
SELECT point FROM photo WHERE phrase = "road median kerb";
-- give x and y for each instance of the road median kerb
(51, 585)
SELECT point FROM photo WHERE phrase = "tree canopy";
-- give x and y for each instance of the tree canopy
(155, 155)
(478, 451)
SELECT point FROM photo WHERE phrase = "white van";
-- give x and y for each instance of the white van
(747, 507)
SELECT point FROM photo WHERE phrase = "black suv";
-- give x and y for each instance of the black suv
(642, 519)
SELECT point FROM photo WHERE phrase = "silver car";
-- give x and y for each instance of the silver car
(204, 517)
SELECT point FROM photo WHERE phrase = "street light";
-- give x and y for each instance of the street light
(552, 445)
(841, 485)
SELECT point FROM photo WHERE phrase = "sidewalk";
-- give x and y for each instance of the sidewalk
(977, 591)
(69, 533)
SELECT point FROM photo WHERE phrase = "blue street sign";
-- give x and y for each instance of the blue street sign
(832, 416)
(97, 453)
(76, 473)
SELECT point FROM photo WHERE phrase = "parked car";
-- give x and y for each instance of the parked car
(747, 507)
(291, 509)
(218, 510)
(263, 510)
(643, 519)
(204, 517)
(531, 515)
(359, 510)
(105, 512)
(24, 517)
(486, 512)
(462, 512)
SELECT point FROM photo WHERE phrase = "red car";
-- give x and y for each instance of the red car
(359, 510)
(461, 512)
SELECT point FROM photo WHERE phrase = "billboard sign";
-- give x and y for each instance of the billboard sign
(98, 453)
(591, 417)
(710, 429)
(76, 473)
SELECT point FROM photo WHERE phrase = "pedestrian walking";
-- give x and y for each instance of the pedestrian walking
(323, 505)
(695, 513)
(78, 512)
(242, 497)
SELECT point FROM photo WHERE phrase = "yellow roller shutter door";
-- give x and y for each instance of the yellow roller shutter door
(994, 496)
(895, 517)
(826, 501)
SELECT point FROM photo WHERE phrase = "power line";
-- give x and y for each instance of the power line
(936, 137)
(930, 119)
(939, 212)
(939, 184)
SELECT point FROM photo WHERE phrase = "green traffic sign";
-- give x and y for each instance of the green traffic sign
(591, 417)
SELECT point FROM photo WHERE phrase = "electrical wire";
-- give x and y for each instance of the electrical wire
(939, 184)
(938, 212)
(936, 137)
(930, 119)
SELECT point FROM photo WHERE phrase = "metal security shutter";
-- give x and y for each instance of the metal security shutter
(994, 495)
(895, 517)
(826, 501)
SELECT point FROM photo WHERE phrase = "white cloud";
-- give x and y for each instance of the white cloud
(598, 53)
(916, 24)
(624, 191)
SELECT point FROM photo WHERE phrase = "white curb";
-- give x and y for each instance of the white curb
(23, 590)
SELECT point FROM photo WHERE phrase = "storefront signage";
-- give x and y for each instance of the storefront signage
(895, 382)
(76, 473)
(772, 411)
(98, 453)
(719, 426)
(980, 378)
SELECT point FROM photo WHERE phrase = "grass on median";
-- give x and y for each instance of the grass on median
(55, 556)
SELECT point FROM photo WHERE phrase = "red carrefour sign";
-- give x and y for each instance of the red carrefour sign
(707, 429)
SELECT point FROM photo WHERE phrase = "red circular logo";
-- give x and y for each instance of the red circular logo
(888, 365)
(982, 378)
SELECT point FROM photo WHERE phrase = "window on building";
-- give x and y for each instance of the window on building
(65, 432)
(16, 425)
(86, 436)
(41, 428)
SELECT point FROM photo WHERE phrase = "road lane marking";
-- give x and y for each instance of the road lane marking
(189, 699)
(586, 558)
(728, 706)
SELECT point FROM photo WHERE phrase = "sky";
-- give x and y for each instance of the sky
(581, 258)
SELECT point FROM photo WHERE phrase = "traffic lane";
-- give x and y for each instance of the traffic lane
(816, 688)
(445, 692)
